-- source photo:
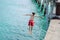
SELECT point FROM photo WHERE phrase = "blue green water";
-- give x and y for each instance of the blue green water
(13, 23)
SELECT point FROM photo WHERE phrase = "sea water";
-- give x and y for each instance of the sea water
(13, 23)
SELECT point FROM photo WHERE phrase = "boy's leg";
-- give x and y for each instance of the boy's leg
(30, 29)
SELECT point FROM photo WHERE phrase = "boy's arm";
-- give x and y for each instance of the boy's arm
(39, 16)
(27, 15)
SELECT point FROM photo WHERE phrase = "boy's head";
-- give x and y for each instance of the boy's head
(33, 13)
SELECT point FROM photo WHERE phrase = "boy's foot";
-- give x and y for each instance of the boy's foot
(30, 32)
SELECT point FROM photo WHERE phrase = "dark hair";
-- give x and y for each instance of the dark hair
(33, 13)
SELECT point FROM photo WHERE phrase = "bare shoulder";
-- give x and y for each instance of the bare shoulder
(36, 15)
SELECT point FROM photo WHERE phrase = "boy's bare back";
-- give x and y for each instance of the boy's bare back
(31, 17)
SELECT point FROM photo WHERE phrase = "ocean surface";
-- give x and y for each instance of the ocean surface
(13, 23)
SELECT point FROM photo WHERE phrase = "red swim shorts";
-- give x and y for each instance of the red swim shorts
(31, 23)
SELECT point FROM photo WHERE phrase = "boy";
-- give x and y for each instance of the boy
(31, 21)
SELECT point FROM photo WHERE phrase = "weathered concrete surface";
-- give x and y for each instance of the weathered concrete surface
(53, 32)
